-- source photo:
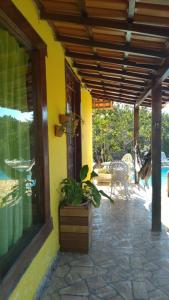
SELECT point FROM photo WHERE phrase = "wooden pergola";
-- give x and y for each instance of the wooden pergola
(121, 51)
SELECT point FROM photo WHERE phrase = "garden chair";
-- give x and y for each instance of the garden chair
(127, 158)
(119, 175)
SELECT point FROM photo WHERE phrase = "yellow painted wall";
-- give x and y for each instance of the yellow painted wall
(86, 111)
(55, 75)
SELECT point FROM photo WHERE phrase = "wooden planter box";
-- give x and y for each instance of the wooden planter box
(75, 228)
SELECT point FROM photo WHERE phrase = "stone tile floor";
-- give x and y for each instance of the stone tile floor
(126, 261)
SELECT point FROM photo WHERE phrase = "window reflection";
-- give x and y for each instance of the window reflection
(17, 150)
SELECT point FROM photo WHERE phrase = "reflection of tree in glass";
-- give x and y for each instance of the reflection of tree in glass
(22, 189)
(15, 142)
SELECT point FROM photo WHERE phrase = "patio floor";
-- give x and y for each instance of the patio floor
(126, 261)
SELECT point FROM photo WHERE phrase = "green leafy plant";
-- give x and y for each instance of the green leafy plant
(84, 191)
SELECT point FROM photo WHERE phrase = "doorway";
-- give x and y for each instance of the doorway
(73, 104)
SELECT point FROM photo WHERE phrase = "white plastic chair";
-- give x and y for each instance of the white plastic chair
(127, 158)
(119, 175)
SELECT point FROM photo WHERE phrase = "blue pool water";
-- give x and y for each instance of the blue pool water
(164, 171)
(3, 176)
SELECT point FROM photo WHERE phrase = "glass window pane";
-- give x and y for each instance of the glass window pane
(17, 157)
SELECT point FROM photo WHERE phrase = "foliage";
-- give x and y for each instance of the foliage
(165, 134)
(13, 135)
(22, 189)
(84, 191)
(113, 132)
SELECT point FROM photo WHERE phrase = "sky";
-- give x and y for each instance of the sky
(16, 114)
(28, 116)
(166, 108)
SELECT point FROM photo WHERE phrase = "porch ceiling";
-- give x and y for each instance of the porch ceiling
(119, 47)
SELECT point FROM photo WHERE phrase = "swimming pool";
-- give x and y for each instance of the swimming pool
(164, 171)
(3, 176)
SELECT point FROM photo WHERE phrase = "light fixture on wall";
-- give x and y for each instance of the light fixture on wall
(69, 123)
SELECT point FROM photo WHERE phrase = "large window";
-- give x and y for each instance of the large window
(24, 182)
(17, 143)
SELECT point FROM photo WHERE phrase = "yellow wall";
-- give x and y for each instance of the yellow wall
(30, 281)
(86, 111)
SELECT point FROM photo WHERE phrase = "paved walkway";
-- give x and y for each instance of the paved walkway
(126, 261)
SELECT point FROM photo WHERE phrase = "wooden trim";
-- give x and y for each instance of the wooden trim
(156, 158)
(17, 270)
(39, 97)
(76, 109)
(136, 125)
(136, 137)
(17, 24)
(71, 70)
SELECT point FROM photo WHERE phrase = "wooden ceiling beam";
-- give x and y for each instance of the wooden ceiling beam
(112, 46)
(112, 71)
(134, 97)
(110, 88)
(105, 59)
(128, 34)
(114, 96)
(109, 78)
(115, 92)
(161, 76)
(114, 85)
(113, 81)
(152, 30)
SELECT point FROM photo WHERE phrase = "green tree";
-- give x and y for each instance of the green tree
(113, 132)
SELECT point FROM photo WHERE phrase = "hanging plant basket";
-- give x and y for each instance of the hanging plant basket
(63, 119)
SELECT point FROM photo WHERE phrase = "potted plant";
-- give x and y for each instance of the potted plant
(75, 211)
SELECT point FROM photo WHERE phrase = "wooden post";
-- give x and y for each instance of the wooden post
(136, 137)
(156, 158)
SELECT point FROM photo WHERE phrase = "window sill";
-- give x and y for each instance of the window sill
(15, 273)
